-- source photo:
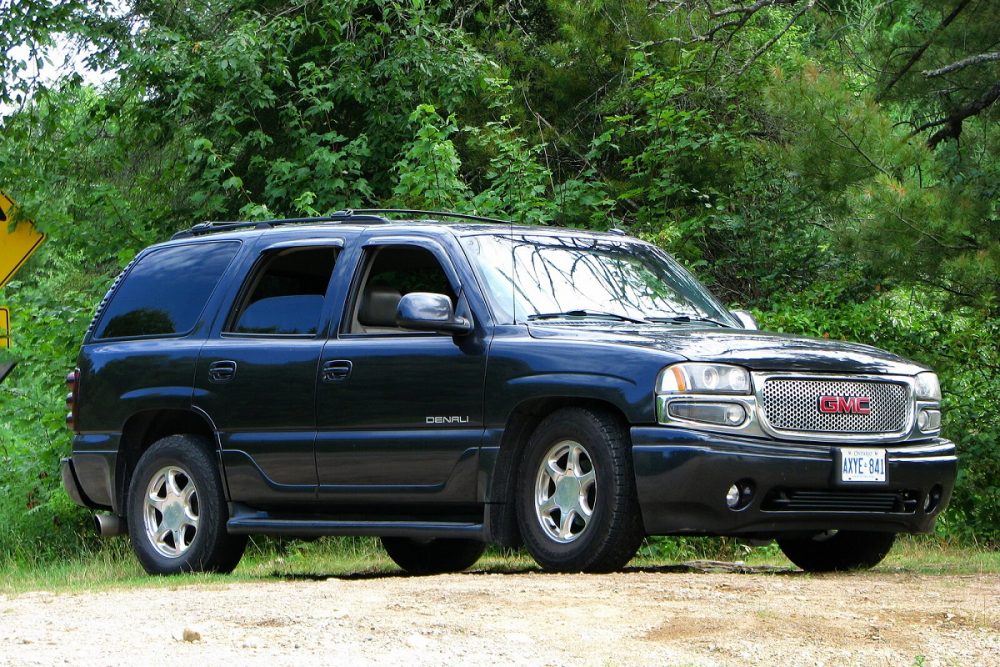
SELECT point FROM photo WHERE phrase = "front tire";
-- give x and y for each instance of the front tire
(433, 556)
(838, 551)
(177, 510)
(576, 501)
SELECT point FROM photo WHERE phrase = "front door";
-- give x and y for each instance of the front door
(400, 413)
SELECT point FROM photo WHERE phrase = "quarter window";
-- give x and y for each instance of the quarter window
(166, 290)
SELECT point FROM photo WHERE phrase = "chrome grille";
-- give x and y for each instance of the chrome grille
(792, 404)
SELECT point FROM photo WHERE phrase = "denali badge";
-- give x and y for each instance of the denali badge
(446, 420)
(857, 405)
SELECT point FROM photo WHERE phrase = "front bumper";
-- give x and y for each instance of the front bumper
(682, 478)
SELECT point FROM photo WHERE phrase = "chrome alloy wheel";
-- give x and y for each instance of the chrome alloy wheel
(171, 511)
(565, 491)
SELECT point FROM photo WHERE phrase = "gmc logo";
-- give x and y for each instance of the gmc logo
(851, 405)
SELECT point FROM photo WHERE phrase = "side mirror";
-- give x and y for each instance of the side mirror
(425, 311)
(746, 320)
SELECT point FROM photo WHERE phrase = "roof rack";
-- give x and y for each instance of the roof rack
(214, 227)
(370, 215)
(440, 214)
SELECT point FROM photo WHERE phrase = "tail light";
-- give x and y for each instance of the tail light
(73, 399)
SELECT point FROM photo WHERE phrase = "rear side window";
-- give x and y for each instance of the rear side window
(165, 292)
(285, 294)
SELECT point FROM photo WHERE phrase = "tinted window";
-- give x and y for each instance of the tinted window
(166, 291)
(285, 294)
(408, 269)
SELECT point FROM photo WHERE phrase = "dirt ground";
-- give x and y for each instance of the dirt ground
(639, 617)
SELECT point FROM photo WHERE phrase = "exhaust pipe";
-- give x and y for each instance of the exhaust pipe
(109, 525)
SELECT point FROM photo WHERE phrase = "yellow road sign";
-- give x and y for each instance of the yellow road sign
(17, 244)
(4, 327)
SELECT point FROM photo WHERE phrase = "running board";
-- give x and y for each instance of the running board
(263, 524)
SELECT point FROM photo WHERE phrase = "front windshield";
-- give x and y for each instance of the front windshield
(536, 276)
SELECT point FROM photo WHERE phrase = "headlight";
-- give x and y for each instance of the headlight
(927, 387)
(697, 378)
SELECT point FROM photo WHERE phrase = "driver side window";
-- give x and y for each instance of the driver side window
(390, 273)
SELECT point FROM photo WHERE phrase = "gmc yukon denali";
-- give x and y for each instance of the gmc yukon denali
(446, 386)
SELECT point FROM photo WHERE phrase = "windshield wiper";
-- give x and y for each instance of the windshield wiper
(585, 313)
(684, 319)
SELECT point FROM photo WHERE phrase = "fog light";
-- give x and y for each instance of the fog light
(723, 414)
(733, 496)
(929, 420)
(739, 494)
(735, 414)
(932, 498)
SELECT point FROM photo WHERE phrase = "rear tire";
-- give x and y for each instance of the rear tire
(177, 510)
(577, 507)
(843, 550)
(433, 556)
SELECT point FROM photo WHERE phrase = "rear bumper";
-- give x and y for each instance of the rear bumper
(71, 483)
(88, 476)
(682, 478)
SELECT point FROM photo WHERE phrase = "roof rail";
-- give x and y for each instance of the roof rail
(348, 215)
(214, 227)
(442, 214)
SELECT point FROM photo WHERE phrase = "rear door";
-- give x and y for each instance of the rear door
(256, 376)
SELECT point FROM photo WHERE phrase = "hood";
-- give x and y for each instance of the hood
(756, 350)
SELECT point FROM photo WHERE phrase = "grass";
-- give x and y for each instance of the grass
(112, 566)
(933, 555)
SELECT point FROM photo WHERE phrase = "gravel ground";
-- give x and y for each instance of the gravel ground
(639, 617)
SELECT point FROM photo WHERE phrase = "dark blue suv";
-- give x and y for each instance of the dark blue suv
(447, 386)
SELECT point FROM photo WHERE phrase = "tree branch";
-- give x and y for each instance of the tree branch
(953, 122)
(962, 64)
(920, 50)
(940, 243)
(749, 9)
(774, 38)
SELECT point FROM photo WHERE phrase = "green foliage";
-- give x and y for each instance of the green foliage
(910, 213)
(515, 184)
(428, 171)
(37, 516)
(288, 108)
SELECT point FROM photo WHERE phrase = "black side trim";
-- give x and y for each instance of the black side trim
(246, 521)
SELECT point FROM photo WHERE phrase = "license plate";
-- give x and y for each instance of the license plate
(862, 465)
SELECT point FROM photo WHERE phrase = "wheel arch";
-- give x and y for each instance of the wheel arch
(522, 422)
(143, 429)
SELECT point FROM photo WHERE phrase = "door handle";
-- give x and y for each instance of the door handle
(221, 371)
(337, 371)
